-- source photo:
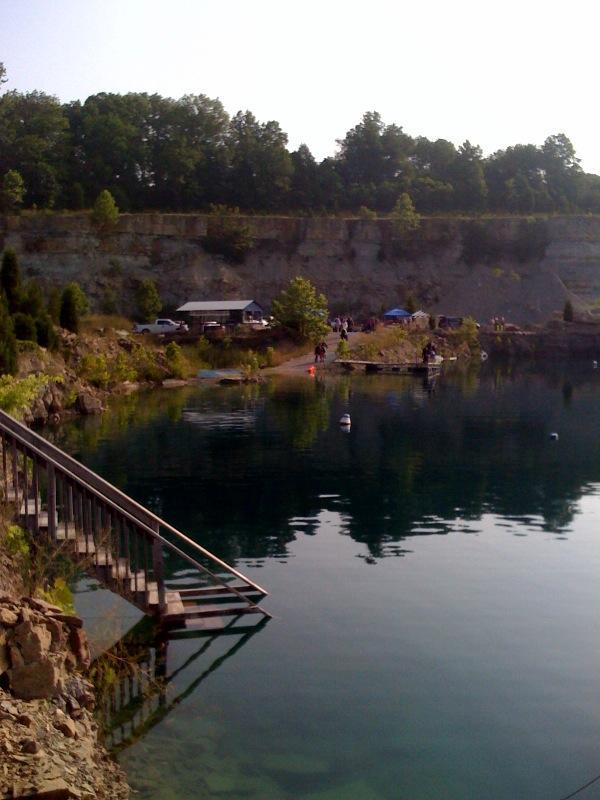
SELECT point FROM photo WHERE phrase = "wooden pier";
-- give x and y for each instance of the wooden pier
(400, 368)
(116, 540)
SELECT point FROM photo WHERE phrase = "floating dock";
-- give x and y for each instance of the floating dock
(399, 368)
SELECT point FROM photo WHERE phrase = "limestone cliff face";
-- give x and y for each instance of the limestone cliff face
(360, 265)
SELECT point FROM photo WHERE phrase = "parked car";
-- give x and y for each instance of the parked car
(161, 326)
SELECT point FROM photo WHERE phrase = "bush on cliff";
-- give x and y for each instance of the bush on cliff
(69, 309)
(25, 327)
(10, 280)
(105, 212)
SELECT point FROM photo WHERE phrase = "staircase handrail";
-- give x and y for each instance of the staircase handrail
(137, 513)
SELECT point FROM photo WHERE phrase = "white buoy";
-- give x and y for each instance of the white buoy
(554, 437)
(345, 420)
(595, 364)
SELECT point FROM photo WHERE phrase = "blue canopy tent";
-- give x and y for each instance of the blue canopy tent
(397, 315)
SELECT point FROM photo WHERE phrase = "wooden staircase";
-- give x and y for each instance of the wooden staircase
(116, 540)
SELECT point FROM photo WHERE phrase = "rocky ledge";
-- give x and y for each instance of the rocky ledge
(48, 736)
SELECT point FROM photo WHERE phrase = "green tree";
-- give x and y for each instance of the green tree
(105, 212)
(10, 280)
(46, 335)
(568, 314)
(8, 342)
(404, 217)
(3, 77)
(81, 301)
(32, 300)
(301, 310)
(69, 309)
(12, 193)
(148, 299)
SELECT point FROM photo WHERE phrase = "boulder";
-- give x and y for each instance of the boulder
(39, 412)
(33, 640)
(8, 618)
(35, 681)
(79, 645)
(88, 404)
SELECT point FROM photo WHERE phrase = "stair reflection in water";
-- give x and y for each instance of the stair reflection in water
(134, 687)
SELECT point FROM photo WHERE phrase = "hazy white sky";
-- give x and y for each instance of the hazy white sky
(495, 73)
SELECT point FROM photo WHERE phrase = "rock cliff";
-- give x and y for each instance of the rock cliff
(521, 269)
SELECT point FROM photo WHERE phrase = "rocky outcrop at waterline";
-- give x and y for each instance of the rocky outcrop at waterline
(48, 736)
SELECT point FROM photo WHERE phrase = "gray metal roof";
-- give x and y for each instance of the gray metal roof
(217, 305)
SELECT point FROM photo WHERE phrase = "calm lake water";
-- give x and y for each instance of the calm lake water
(434, 579)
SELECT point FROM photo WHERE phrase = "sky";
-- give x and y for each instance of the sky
(494, 73)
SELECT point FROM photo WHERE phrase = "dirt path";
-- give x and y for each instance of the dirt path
(300, 365)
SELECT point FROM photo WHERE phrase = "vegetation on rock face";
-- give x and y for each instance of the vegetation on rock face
(17, 394)
(404, 217)
(105, 212)
(175, 360)
(301, 310)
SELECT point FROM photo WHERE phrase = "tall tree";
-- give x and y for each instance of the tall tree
(261, 166)
(469, 180)
(12, 192)
(8, 342)
(301, 310)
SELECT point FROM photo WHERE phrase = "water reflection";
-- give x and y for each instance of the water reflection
(135, 679)
(238, 467)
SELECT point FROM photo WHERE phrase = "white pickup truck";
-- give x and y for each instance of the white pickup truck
(161, 326)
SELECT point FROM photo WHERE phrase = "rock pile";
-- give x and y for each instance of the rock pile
(48, 737)
(40, 647)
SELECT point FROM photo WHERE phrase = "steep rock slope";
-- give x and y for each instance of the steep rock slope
(524, 270)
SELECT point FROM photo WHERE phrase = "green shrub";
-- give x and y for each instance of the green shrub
(343, 349)
(69, 310)
(145, 364)
(366, 213)
(45, 333)
(175, 360)
(93, 368)
(249, 365)
(17, 394)
(105, 212)
(270, 356)
(121, 370)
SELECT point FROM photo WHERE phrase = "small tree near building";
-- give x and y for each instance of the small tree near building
(302, 311)
(148, 299)
(105, 212)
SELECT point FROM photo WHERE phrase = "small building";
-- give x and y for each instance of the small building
(420, 319)
(222, 312)
(397, 316)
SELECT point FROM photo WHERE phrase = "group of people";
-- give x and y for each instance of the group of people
(498, 323)
(340, 324)
(320, 351)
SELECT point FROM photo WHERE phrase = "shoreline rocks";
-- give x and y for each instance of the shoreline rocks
(48, 736)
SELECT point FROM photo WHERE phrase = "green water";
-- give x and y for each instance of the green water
(434, 579)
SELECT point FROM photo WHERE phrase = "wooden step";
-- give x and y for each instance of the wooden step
(199, 612)
(209, 591)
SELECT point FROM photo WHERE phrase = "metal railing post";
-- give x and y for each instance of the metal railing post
(51, 477)
(158, 563)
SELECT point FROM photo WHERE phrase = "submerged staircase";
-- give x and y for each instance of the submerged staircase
(116, 540)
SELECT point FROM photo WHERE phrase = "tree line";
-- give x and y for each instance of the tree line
(188, 154)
